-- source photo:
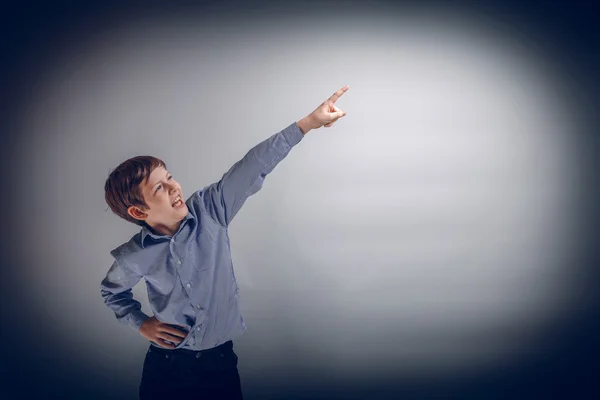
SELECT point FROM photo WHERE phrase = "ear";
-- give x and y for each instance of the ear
(136, 213)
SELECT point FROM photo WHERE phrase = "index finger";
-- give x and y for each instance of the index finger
(174, 331)
(337, 94)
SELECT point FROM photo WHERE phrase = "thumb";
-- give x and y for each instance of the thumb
(338, 114)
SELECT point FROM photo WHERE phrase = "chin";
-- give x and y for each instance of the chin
(180, 213)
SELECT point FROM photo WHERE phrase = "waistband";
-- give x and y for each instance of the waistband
(228, 345)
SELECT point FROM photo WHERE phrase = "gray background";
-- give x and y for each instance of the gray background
(437, 233)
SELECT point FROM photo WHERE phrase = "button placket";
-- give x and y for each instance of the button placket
(176, 257)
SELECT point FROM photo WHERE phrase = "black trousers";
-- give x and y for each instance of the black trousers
(205, 374)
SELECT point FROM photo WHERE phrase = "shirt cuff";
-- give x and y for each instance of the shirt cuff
(292, 134)
(135, 319)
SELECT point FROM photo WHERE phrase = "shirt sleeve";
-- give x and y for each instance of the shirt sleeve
(223, 199)
(117, 295)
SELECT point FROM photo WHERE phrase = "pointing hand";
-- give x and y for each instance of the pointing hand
(324, 115)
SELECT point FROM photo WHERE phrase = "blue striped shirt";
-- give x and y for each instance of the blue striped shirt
(189, 276)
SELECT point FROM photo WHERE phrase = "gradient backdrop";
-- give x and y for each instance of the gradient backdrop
(438, 240)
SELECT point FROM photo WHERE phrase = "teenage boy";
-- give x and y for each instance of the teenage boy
(183, 254)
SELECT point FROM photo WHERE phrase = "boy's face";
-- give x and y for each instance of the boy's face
(160, 192)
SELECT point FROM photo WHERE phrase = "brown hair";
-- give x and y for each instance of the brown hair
(122, 187)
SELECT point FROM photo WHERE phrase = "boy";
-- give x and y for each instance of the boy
(182, 252)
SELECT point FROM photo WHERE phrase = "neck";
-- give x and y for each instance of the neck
(163, 229)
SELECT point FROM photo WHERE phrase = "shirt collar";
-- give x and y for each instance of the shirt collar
(147, 232)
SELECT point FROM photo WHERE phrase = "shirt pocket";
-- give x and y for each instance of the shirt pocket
(201, 251)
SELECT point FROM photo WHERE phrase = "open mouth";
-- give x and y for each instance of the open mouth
(178, 203)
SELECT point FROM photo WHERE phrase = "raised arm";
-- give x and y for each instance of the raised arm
(223, 199)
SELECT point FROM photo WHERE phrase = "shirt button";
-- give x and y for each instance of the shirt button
(198, 307)
(198, 355)
(188, 285)
(172, 240)
(178, 261)
(198, 328)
